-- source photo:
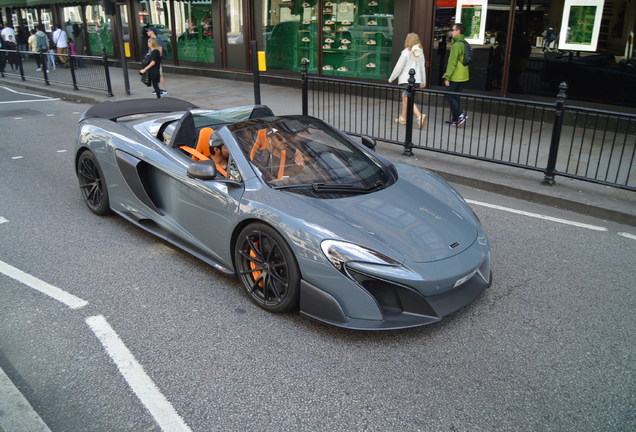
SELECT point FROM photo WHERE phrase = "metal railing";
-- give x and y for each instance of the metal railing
(553, 138)
(74, 70)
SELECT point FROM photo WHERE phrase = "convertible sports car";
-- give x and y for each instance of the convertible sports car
(302, 213)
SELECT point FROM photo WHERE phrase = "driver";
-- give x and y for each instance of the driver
(279, 160)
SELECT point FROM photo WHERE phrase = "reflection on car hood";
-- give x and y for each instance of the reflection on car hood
(420, 218)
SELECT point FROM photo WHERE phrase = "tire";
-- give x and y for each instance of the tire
(92, 184)
(267, 268)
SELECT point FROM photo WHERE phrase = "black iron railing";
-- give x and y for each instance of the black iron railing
(553, 138)
(74, 70)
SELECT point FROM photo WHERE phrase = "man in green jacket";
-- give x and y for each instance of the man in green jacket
(456, 75)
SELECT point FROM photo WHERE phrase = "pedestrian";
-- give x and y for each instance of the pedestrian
(412, 57)
(80, 44)
(33, 47)
(456, 75)
(11, 46)
(21, 38)
(60, 42)
(163, 49)
(7, 30)
(51, 56)
(154, 65)
(71, 49)
(42, 45)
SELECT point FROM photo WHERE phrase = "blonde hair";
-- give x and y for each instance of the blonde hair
(411, 40)
(153, 43)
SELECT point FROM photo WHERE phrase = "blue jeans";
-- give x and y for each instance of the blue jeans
(456, 110)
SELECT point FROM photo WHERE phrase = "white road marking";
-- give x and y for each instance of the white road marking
(140, 383)
(17, 118)
(538, 216)
(627, 235)
(52, 291)
(50, 115)
(17, 157)
(42, 98)
(29, 100)
(61, 151)
(3, 220)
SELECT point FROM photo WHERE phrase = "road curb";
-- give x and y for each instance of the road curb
(16, 413)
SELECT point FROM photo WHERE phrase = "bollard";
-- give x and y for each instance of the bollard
(305, 84)
(255, 72)
(410, 96)
(71, 60)
(556, 134)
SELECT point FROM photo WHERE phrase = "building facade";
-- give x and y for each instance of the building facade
(521, 48)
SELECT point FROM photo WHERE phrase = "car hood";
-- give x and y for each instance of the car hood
(420, 218)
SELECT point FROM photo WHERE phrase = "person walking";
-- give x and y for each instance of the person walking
(412, 57)
(163, 49)
(456, 75)
(42, 45)
(80, 44)
(60, 40)
(7, 31)
(153, 66)
(32, 42)
(12, 57)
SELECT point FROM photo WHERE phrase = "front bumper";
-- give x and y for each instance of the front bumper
(400, 307)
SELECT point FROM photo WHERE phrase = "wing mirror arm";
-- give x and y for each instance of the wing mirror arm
(206, 171)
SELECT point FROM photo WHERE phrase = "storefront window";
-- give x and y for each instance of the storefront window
(99, 30)
(355, 38)
(156, 14)
(194, 30)
(546, 48)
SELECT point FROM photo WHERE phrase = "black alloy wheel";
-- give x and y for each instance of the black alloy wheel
(267, 268)
(92, 184)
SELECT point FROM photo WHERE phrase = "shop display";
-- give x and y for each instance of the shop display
(350, 38)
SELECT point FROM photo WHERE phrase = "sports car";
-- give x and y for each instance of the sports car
(307, 217)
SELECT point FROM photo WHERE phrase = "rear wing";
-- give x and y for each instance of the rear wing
(114, 110)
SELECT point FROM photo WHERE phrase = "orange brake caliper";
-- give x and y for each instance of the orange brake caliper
(256, 273)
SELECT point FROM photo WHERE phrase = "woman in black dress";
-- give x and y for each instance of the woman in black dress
(153, 66)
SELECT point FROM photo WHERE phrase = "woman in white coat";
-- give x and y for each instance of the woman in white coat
(412, 57)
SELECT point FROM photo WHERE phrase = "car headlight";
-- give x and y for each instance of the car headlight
(339, 253)
(351, 259)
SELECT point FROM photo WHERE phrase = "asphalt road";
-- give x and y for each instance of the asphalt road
(550, 346)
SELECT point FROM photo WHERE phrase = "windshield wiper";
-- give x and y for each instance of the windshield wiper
(335, 187)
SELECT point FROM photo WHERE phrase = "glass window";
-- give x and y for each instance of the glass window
(193, 28)
(355, 38)
(156, 14)
(99, 31)
(307, 156)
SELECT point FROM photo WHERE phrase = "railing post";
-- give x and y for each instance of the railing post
(305, 83)
(44, 61)
(105, 60)
(18, 57)
(556, 134)
(71, 60)
(410, 96)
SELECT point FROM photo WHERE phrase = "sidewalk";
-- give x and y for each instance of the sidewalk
(587, 198)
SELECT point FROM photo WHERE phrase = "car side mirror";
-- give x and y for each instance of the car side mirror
(368, 142)
(202, 170)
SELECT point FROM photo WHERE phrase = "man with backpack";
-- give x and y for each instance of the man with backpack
(42, 45)
(457, 73)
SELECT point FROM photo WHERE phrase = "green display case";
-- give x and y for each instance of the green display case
(352, 39)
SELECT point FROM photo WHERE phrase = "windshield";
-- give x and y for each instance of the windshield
(306, 156)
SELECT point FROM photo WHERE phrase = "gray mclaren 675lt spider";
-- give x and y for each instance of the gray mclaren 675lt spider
(306, 217)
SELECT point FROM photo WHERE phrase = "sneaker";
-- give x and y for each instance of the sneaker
(400, 120)
(451, 122)
(461, 119)
(163, 92)
(421, 121)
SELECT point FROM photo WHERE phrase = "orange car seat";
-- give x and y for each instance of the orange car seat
(202, 152)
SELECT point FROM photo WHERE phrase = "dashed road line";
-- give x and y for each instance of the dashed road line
(538, 216)
(3, 220)
(45, 288)
(141, 384)
(627, 235)
(17, 157)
